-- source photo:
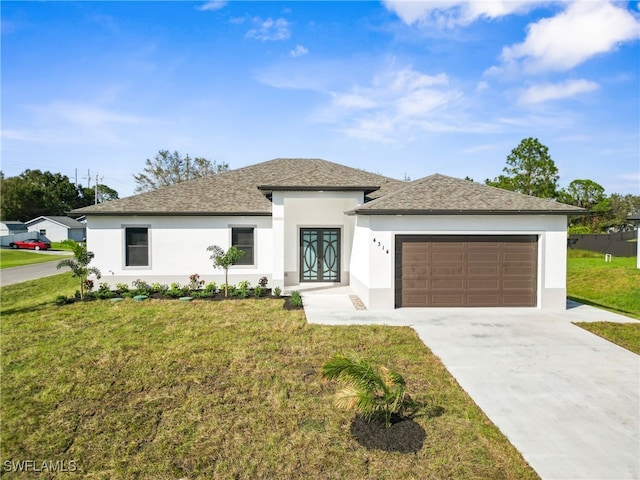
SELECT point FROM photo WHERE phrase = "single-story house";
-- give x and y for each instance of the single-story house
(58, 228)
(9, 227)
(434, 242)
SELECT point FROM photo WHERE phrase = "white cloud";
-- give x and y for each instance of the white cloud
(298, 51)
(396, 104)
(583, 30)
(556, 91)
(448, 14)
(269, 29)
(211, 6)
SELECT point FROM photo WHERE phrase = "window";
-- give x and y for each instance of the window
(242, 239)
(43, 231)
(137, 246)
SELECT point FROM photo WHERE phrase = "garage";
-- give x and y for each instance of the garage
(466, 270)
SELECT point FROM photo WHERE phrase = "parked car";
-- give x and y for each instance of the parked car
(30, 244)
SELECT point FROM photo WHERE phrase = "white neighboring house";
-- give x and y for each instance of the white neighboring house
(12, 227)
(434, 242)
(58, 228)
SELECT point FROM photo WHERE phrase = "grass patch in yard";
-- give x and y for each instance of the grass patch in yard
(19, 258)
(626, 335)
(232, 389)
(614, 286)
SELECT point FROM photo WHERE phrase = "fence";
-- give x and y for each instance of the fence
(617, 244)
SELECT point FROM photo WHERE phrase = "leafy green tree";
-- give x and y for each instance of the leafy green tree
(168, 168)
(34, 193)
(79, 265)
(589, 195)
(224, 260)
(623, 206)
(88, 195)
(374, 392)
(529, 170)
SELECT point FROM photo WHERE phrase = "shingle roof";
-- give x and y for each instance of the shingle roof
(236, 192)
(439, 194)
(64, 221)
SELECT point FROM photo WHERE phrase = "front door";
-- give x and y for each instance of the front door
(319, 254)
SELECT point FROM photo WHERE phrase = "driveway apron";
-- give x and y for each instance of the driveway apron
(568, 400)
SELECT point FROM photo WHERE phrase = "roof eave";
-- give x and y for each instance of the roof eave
(367, 189)
(370, 211)
(181, 214)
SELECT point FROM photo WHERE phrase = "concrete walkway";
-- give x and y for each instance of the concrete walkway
(568, 400)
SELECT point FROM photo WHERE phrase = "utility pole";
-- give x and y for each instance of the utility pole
(96, 199)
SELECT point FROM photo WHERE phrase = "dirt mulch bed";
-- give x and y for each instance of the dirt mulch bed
(404, 435)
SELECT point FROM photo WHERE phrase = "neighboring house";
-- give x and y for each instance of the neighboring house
(11, 227)
(11, 231)
(58, 229)
(437, 241)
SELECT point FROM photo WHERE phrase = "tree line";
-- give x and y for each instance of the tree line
(531, 170)
(34, 193)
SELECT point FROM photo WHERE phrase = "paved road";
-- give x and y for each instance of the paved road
(9, 276)
(568, 400)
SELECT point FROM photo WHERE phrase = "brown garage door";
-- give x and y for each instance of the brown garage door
(466, 271)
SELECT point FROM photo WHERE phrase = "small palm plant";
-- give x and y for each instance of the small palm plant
(374, 392)
(79, 265)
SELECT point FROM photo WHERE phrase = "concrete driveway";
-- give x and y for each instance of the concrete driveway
(568, 400)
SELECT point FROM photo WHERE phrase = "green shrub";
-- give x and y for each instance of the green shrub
(104, 291)
(211, 288)
(243, 289)
(296, 299)
(159, 288)
(257, 291)
(141, 287)
(62, 300)
(277, 292)
(122, 287)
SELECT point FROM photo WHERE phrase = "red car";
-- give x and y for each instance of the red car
(30, 244)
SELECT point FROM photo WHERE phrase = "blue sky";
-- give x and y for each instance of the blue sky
(397, 88)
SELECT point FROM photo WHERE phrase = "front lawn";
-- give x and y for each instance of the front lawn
(614, 286)
(626, 335)
(611, 285)
(232, 389)
(18, 258)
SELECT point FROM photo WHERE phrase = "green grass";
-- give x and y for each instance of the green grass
(19, 258)
(626, 335)
(614, 286)
(231, 389)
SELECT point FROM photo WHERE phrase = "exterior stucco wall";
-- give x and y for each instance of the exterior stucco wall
(373, 272)
(177, 248)
(57, 232)
(295, 210)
